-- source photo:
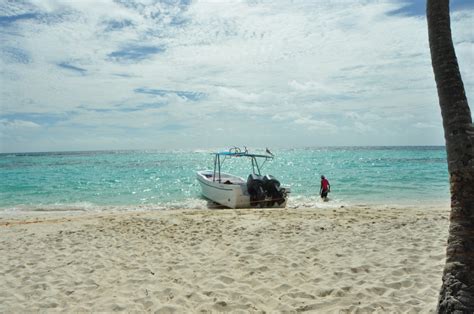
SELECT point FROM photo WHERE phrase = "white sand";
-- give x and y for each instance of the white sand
(319, 260)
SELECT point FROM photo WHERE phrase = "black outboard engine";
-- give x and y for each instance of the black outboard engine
(265, 190)
(273, 190)
(255, 188)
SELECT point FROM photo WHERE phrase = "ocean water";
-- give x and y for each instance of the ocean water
(152, 180)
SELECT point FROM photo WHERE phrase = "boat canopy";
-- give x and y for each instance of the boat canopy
(236, 152)
(243, 154)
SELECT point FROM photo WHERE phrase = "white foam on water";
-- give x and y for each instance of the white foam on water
(294, 202)
(81, 206)
(191, 203)
(314, 202)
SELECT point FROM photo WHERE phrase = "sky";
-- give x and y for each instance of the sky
(199, 74)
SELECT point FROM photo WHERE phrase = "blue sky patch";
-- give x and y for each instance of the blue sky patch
(418, 7)
(149, 106)
(38, 17)
(116, 25)
(188, 95)
(178, 21)
(136, 53)
(124, 75)
(169, 12)
(126, 108)
(8, 20)
(67, 66)
(15, 55)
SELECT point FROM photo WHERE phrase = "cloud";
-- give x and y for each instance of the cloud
(117, 25)
(309, 123)
(172, 127)
(316, 125)
(188, 95)
(73, 68)
(263, 72)
(17, 124)
(35, 119)
(6, 21)
(135, 53)
(422, 125)
(15, 55)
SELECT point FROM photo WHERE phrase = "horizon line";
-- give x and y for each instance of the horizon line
(211, 149)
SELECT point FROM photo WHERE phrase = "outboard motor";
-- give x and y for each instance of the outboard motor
(255, 188)
(273, 190)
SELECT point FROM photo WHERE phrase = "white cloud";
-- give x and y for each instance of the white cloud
(334, 66)
(316, 125)
(9, 125)
(234, 94)
(422, 125)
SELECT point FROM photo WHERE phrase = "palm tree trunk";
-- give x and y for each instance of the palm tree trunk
(457, 291)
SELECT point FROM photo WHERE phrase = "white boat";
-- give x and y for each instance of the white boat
(235, 192)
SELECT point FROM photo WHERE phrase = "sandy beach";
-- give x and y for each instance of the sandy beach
(355, 260)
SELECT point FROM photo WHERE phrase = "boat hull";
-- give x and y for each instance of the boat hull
(231, 191)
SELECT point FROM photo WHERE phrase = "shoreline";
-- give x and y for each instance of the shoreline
(295, 203)
(331, 260)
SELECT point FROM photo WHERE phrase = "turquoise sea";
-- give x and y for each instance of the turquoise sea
(137, 180)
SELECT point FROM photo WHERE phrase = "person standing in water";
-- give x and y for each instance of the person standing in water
(325, 188)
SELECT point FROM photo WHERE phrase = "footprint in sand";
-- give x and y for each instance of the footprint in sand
(225, 279)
